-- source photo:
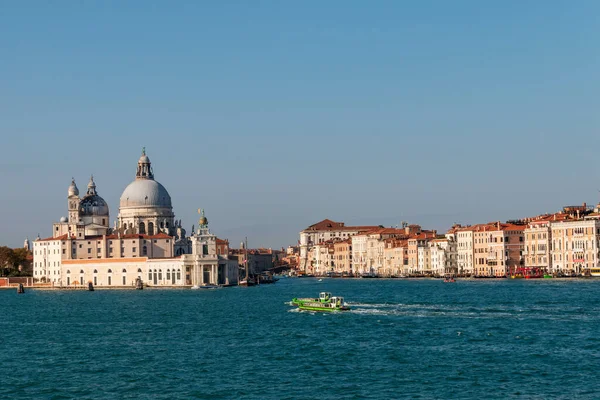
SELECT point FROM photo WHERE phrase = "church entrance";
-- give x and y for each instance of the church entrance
(206, 275)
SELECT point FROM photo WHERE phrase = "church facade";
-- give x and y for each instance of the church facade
(145, 243)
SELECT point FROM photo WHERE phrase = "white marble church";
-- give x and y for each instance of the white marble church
(146, 242)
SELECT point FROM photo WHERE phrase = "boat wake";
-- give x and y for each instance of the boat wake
(462, 311)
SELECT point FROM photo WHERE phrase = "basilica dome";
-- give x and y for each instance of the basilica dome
(145, 205)
(145, 193)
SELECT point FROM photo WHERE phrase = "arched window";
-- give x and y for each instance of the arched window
(150, 228)
(159, 274)
(149, 274)
(168, 274)
(162, 224)
(81, 272)
(144, 251)
(178, 274)
(110, 271)
(124, 271)
(142, 228)
(95, 271)
(68, 271)
(139, 270)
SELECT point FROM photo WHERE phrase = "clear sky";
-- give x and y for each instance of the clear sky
(273, 115)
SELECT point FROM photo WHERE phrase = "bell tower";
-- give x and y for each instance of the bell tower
(73, 202)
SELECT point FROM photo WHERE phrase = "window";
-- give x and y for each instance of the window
(110, 250)
(134, 249)
(89, 250)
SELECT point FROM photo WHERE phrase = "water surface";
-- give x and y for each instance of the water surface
(402, 339)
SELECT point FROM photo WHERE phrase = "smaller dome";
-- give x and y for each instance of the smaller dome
(73, 190)
(93, 205)
(144, 159)
(64, 219)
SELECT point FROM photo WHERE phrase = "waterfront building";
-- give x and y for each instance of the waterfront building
(324, 231)
(424, 259)
(146, 242)
(538, 237)
(368, 247)
(396, 257)
(419, 260)
(505, 253)
(443, 256)
(342, 257)
(464, 250)
(574, 245)
(323, 261)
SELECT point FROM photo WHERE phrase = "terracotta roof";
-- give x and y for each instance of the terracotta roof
(329, 225)
(50, 239)
(222, 241)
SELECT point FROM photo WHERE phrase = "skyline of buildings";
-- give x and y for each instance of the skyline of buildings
(562, 243)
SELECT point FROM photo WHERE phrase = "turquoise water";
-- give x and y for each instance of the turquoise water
(403, 339)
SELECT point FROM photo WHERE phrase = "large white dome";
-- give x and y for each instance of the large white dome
(145, 193)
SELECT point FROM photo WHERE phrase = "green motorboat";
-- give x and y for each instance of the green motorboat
(334, 304)
(324, 297)
(325, 302)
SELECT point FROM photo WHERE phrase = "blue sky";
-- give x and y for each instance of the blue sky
(275, 115)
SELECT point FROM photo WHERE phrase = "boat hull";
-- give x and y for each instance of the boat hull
(306, 307)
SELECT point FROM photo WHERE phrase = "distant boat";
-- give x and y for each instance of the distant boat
(320, 280)
(247, 282)
(195, 287)
(210, 286)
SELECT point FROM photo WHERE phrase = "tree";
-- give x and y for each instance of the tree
(20, 258)
(10, 260)
(7, 257)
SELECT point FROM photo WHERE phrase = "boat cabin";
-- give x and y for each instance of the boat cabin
(324, 296)
(337, 301)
